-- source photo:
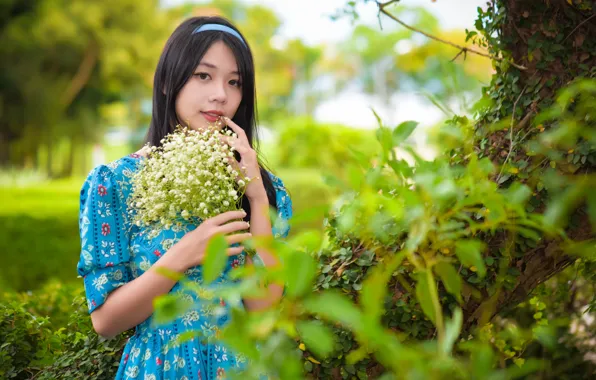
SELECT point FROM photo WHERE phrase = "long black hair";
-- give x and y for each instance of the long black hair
(180, 57)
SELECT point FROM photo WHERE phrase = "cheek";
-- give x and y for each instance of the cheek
(184, 102)
(235, 99)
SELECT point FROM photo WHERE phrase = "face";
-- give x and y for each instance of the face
(213, 90)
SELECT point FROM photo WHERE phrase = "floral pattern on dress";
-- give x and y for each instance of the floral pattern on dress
(114, 252)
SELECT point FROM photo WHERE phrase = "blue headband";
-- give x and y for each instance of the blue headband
(221, 28)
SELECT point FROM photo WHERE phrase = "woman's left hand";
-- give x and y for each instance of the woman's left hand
(248, 165)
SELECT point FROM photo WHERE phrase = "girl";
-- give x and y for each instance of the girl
(205, 74)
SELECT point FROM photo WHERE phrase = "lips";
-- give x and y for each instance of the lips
(212, 116)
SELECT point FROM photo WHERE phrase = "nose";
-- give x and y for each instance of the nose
(218, 93)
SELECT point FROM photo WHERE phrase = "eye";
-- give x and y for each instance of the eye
(202, 76)
(235, 83)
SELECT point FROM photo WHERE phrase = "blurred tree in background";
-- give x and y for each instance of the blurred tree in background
(61, 61)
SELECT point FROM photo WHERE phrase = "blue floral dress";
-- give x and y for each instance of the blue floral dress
(114, 252)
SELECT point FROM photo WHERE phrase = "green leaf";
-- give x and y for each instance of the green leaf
(215, 259)
(169, 307)
(384, 136)
(469, 253)
(374, 288)
(301, 271)
(452, 330)
(450, 279)
(355, 176)
(557, 211)
(379, 121)
(335, 307)
(403, 131)
(518, 193)
(424, 295)
(317, 337)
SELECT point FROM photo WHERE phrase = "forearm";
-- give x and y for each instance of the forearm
(131, 304)
(260, 226)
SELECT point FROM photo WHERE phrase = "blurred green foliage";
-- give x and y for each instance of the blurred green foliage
(420, 269)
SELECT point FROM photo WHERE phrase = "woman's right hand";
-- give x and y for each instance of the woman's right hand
(192, 248)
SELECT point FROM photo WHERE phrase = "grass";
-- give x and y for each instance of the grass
(39, 238)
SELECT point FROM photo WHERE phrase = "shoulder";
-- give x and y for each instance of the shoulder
(278, 184)
(115, 175)
(282, 195)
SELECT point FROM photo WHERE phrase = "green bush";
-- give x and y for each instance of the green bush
(25, 342)
(48, 334)
(308, 192)
(53, 300)
(308, 144)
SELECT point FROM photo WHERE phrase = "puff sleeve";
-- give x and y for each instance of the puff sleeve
(281, 225)
(104, 258)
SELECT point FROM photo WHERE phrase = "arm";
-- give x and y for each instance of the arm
(260, 226)
(132, 303)
(117, 302)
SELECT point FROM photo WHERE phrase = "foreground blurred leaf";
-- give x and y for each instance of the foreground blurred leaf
(403, 131)
(424, 295)
(452, 330)
(300, 270)
(450, 278)
(168, 307)
(216, 258)
(336, 307)
(469, 253)
(317, 337)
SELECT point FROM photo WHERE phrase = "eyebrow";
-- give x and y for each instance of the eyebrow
(212, 66)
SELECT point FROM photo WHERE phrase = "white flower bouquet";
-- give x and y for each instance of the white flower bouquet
(190, 177)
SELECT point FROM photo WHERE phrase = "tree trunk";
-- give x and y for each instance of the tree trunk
(556, 42)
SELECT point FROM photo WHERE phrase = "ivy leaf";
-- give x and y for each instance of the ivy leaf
(215, 259)
(424, 294)
(450, 279)
(317, 337)
(403, 131)
(469, 253)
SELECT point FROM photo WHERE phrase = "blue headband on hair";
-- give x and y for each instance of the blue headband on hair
(221, 28)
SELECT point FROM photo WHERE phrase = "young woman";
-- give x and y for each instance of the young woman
(205, 74)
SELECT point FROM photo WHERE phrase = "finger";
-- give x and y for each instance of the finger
(237, 238)
(232, 227)
(235, 250)
(235, 127)
(227, 216)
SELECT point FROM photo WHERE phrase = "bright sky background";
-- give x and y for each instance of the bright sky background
(309, 20)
